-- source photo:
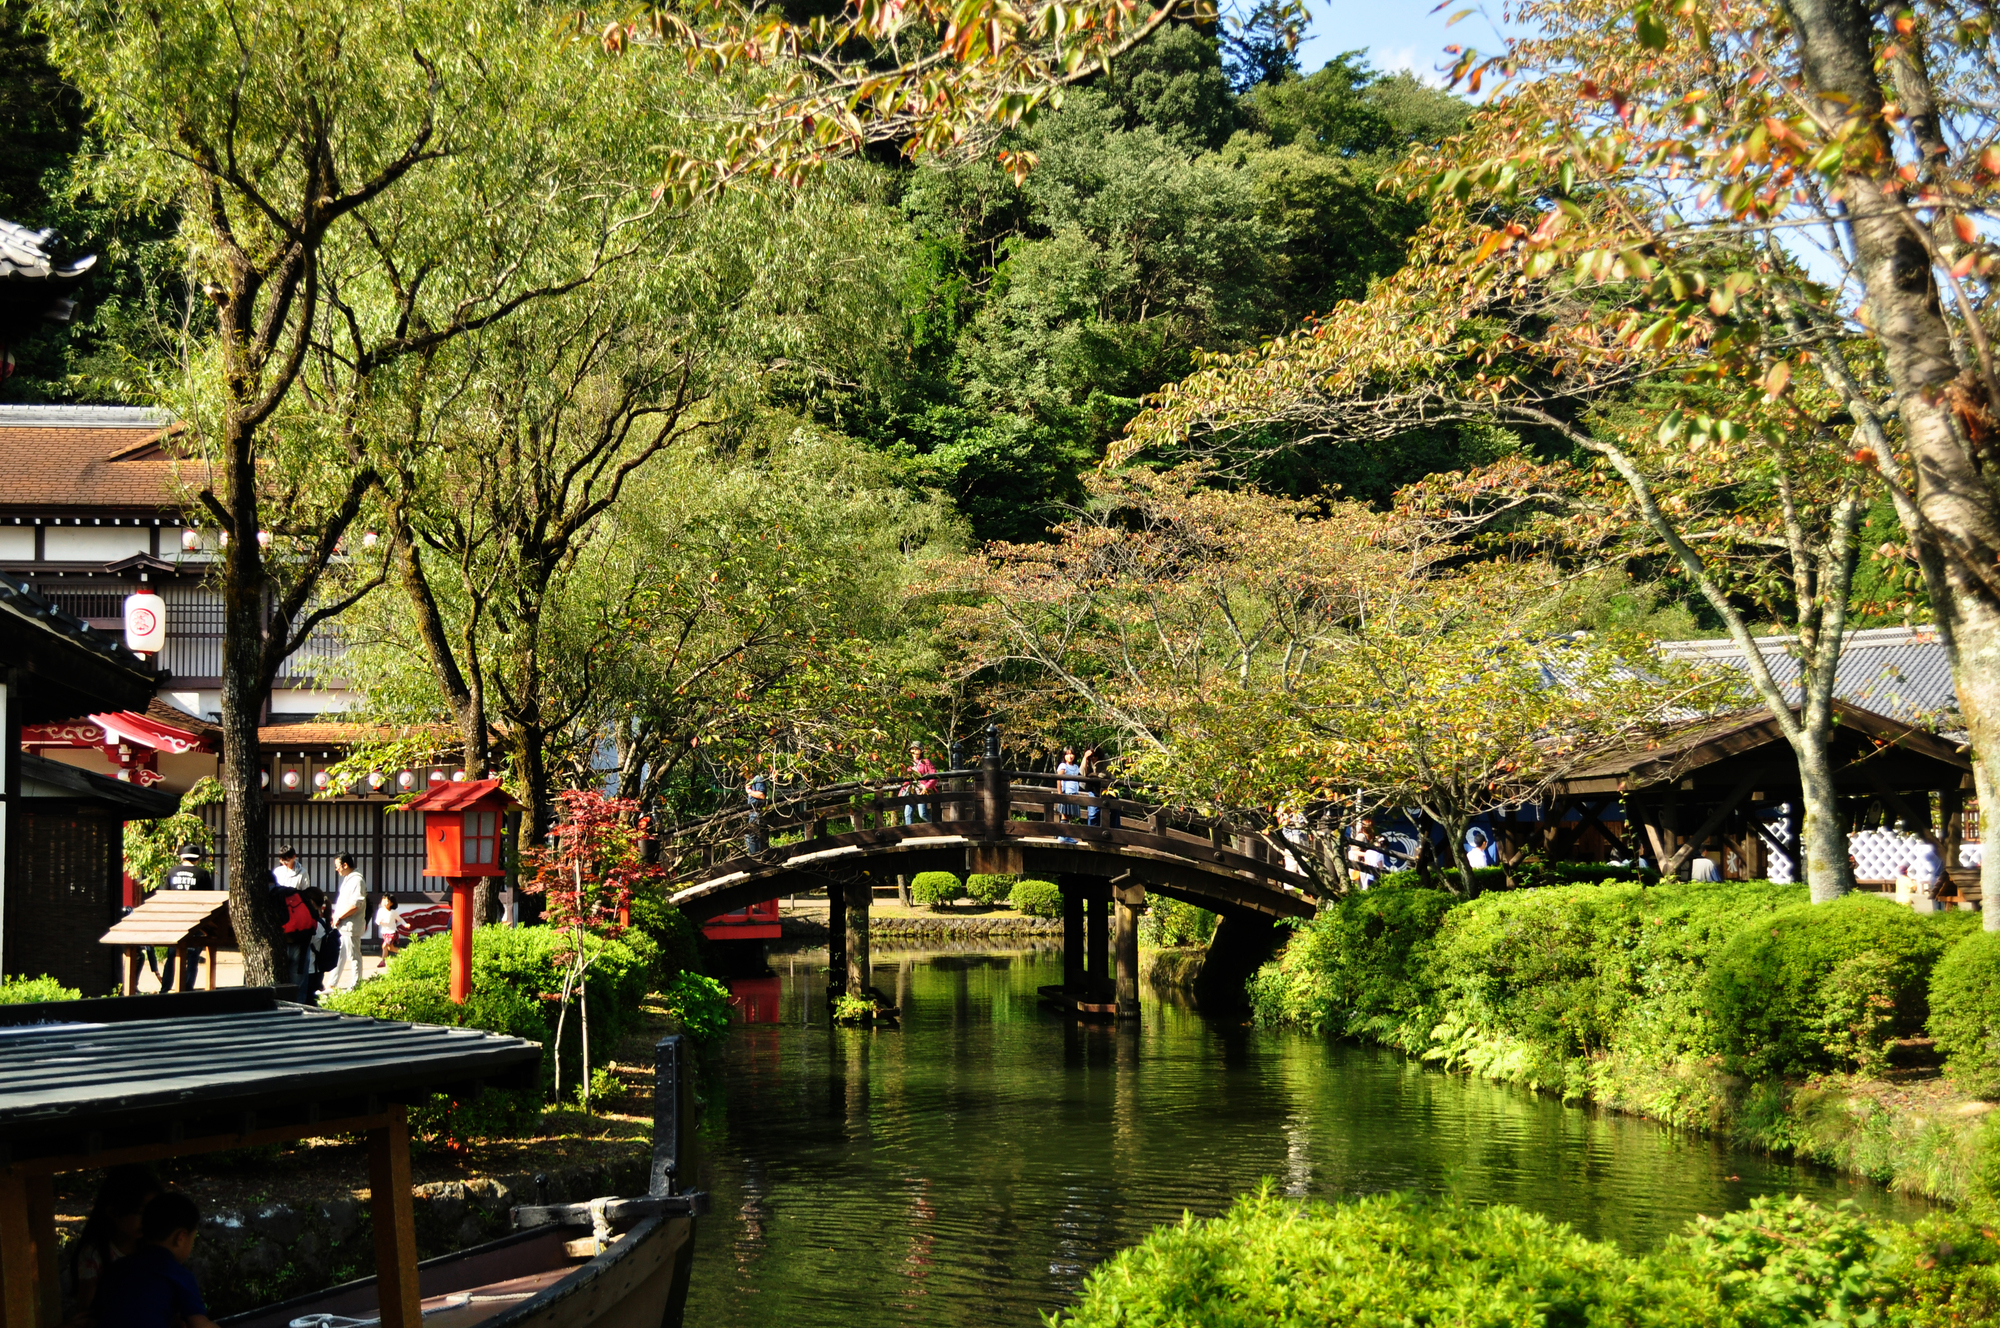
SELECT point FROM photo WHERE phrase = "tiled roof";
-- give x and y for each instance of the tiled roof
(58, 458)
(19, 598)
(24, 256)
(1900, 672)
(306, 737)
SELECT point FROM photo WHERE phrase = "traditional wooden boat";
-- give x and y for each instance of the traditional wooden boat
(90, 1084)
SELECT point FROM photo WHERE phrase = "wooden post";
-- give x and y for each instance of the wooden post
(211, 968)
(1072, 901)
(131, 970)
(1951, 806)
(858, 899)
(1098, 937)
(1130, 899)
(461, 938)
(836, 940)
(42, 1230)
(18, 1265)
(394, 1217)
(993, 793)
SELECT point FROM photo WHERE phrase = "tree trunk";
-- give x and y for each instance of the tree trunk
(1455, 831)
(1988, 789)
(1823, 837)
(246, 688)
(1956, 512)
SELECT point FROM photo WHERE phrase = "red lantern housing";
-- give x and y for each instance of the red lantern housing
(462, 833)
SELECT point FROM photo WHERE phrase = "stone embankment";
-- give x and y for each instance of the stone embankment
(931, 927)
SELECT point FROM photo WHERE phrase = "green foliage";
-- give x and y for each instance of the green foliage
(700, 1003)
(990, 887)
(1037, 899)
(676, 941)
(517, 975)
(855, 1007)
(1965, 1012)
(1787, 1261)
(1821, 985)
(153, 848)
(28, 991)
(1380, 1262)
(1172, 922)
(935, 888)
(1358, 966)
(1531, 873)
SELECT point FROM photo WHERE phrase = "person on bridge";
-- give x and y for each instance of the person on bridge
(1066, 811)
(757, 792)
(918, 811)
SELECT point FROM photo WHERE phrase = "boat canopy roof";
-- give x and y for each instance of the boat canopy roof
(91, 1083)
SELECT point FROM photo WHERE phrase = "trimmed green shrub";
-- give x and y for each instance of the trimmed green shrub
(1038, 899)
(516, 989)
(1965, 1012)
(1818, 986)
(1385, 1261)
(990, 887)
(30, 991)
(1173, 922)
(1357, 967)
(935, 889)
(1786, 1261)
(1531, 873)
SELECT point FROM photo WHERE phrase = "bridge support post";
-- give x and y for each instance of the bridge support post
(858, 898)
(836, 940)
(1130, 899)
(1073, 937)
(1097, 933)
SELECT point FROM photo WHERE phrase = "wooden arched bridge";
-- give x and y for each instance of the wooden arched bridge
(1106, 853)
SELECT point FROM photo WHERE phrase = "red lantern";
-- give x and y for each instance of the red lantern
(462, 825)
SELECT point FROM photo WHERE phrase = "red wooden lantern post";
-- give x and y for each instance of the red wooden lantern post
(462, 843)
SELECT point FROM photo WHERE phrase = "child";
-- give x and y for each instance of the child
(151, 1287)
(386, 922)
(112, 1230)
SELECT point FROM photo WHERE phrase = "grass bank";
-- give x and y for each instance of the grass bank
(1734, 1007)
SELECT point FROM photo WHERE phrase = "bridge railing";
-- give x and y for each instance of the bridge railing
(981, 803)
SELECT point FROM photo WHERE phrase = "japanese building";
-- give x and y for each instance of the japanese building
(91, 503)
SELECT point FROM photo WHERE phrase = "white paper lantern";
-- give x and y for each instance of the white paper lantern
(320, 780)
(375, 780)
(190, 540)
(291, 781)
(145, 622)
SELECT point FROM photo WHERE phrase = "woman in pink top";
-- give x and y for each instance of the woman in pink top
(918, 811)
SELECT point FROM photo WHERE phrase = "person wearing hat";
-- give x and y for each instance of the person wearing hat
(190, 875)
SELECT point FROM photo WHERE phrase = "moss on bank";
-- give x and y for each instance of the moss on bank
(1728, 1006)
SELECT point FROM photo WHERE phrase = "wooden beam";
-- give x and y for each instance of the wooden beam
(394, 1215)
(42, 1230)
(216, 1143)
(1694, 843)
(19, 1304)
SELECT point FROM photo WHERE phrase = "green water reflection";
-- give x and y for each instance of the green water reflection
(972, 1166)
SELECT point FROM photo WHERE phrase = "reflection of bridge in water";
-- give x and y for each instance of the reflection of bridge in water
(1105, 852)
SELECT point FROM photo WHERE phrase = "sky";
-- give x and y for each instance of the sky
(1397, 34)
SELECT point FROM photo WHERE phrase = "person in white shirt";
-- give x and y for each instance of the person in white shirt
(350, 920)
(291, 875)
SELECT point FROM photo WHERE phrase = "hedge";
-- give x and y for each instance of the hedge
(1823, 985)
(1965, 1013)
(990, 887)
(935, 888)
(517, 975)
(1385, 1261)
(1389, 1261)
(1038, 899)
(29, 991)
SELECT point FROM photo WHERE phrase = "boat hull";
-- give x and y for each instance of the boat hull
(527, 1279)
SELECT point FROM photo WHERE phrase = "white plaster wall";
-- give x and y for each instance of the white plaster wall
(93, 544)
(17, 542)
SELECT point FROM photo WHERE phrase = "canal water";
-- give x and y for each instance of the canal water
(972, 1166)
